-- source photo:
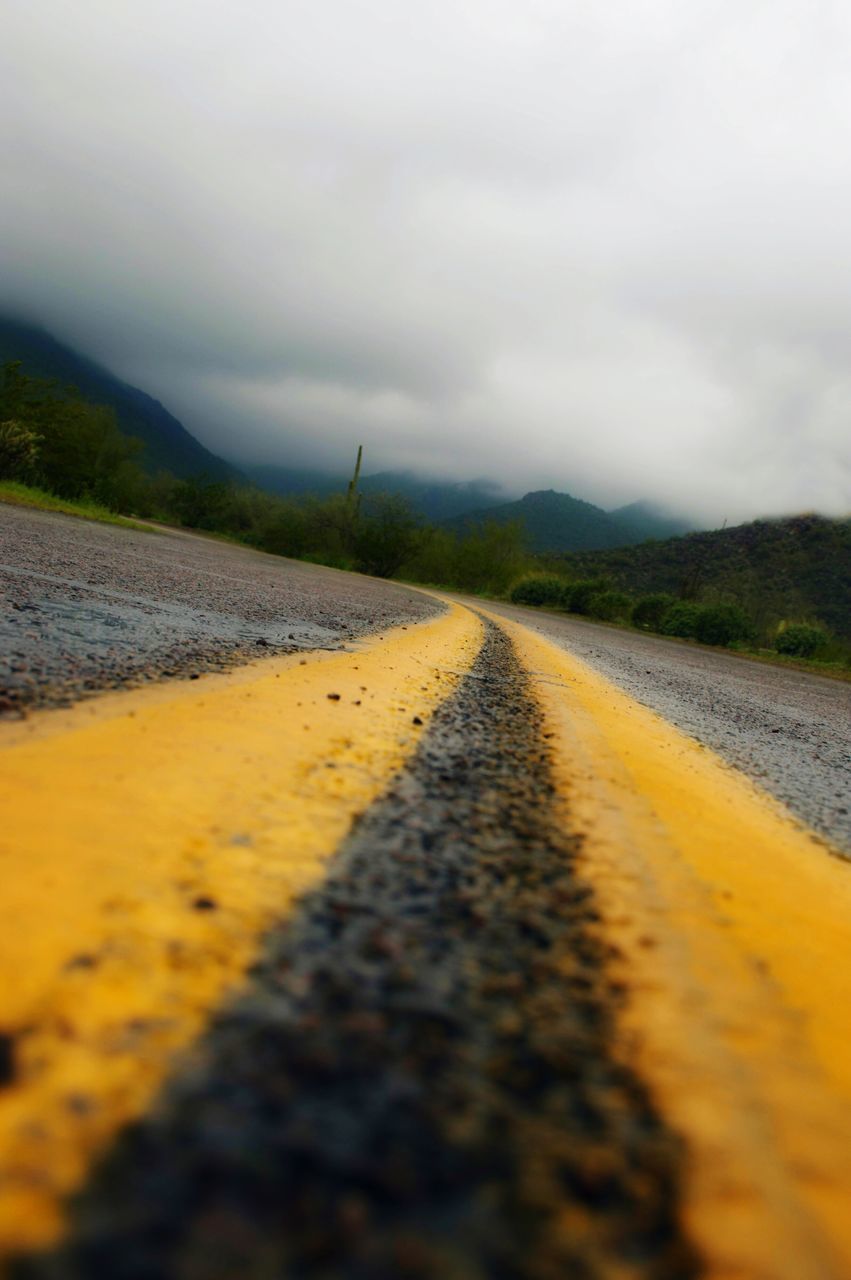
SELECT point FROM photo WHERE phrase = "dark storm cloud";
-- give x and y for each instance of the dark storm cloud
(600, 248)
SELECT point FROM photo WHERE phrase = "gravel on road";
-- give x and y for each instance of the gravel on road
(787, 729)
(419, 1080)
(88, 606)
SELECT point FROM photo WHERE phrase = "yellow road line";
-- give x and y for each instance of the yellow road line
(734, 927)
(146, 841)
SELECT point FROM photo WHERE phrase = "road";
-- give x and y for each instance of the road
(87, 607)
(433, 951)
(787, 729)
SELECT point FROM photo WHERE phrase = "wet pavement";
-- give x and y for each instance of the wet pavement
(85, 606)
(788, 730)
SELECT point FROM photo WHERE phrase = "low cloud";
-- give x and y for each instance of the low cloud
(598, 250)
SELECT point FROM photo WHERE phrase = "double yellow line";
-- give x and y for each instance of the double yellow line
(148, 839)
(733, 928)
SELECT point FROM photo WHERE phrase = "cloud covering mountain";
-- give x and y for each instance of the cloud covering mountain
(602, 248)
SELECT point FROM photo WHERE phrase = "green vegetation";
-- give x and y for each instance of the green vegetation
(61, 453)
(724, 624)
(712, 622)
(719, 624)
(50, 437)
(539, 589)
(486, 561)
(580, 595)
(801, 641)
(781, 587)
(26, 495)
(648, 611)
(680, 620)
(165, 444)
(779, 571)
(610, 606)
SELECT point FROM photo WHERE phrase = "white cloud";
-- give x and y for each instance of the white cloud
(599, 248)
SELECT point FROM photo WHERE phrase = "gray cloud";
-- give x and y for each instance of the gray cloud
(600, 248)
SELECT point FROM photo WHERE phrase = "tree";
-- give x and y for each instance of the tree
(81, 451)
(490, 558)
(387, 534)
(19, 451)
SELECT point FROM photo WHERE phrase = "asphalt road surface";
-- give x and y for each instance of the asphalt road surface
(787, 729)
(436, 1010)
(85, 606)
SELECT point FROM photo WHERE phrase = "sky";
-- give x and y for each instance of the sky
(602, 248)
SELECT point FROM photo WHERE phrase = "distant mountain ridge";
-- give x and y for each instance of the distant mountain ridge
(167, 444)
(432, 499)
(552, 521)
(645, 520)
(559, 522)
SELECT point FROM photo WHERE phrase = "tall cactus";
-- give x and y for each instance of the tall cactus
(352, 497)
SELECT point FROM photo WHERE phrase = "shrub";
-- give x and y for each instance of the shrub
(539, 589)
(681, 620)
(386, 535)
(610, 606)
(801, 640)
(201, 503)
(722, 624)
(284, 532)
(578, 595)
(649, 611)
(490, 558)
(19, 451)
(434, 558)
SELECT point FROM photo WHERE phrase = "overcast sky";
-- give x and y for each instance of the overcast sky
(601, 247)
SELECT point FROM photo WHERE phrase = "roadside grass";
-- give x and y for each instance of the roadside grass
(834, 670)
(24, 495)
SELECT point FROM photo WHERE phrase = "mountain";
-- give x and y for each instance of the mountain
(436, 500)
(168, 445)
(558, 522)
(643, 520)
(795, 568)
(433, 500)
(291, 482)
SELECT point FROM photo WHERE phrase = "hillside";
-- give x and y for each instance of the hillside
(292, 482)
(643, 520)
(432, 500)
(793, 568)
(168, 445)
(559, 522)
